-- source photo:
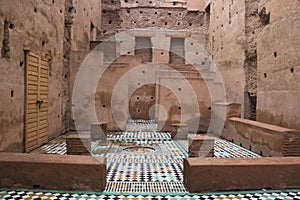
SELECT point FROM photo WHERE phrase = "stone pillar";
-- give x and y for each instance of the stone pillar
(201, 146)
(98, 131)
(78, 144)
(179, 131)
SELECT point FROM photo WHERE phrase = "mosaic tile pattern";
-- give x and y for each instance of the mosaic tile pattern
(139, 135)
(58, 148)
(141, 125)
(148, 187)
(223, 149)
(145, 172)
(267, 195)
(144, 160)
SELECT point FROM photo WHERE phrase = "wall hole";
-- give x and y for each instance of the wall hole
(162, 53)
(11, 93)
(152, 98)
(265, 75)
(11, 26)
(179, 108)
(139, 110)
(103, 106)
(292, 70)
(21, 63)
(209, 108)
(138, 98)
(261, 153)
(35, 10)
(275, 54)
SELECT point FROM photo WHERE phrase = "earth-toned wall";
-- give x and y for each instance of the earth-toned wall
(279, 65)
(48, 28)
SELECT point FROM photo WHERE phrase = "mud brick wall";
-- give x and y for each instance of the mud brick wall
(52, 172)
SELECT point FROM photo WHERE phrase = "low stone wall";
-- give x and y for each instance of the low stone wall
(201, 146)
(78, 144)
(179, 132)
(264, 139)
(52, 172)
(218, 174)
(98, 131)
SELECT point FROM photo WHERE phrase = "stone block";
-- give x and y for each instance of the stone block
(201, 146)
(52, 172)
(78, 144)
(220, 174)
(179, 131)
(98, 131)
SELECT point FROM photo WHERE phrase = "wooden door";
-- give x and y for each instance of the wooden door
(36, 101)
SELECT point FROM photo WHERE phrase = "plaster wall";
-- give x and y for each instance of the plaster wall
(226, 45)
(279, 65)
(38, 25)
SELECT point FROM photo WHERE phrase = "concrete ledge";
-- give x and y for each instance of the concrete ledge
(179, 131)
(52, 172)
(98, 131)
(265, 139)
(78, 144)
(201, 146)
(214, 174)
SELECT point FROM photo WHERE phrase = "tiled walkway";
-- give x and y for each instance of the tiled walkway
(142, 161)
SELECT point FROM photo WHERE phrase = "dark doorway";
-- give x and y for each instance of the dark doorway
(177, 53)
(143, 48)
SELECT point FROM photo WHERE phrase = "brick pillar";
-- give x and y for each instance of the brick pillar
(98, 131)
(201, 146)
(78, 144)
